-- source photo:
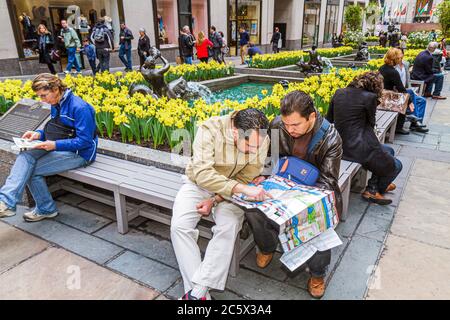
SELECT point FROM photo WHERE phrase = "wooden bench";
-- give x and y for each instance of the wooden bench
(386, 122)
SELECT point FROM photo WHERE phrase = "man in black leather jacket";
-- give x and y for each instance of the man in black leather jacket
(298, 123)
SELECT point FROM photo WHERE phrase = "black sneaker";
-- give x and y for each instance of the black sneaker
(419, 129)
(402, 131)
(189, 296)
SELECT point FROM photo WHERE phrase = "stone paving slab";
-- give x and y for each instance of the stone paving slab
(58, 274)
(17, 246)
(69, 238)
(99, 208)
(142, 243)
(147, 271)
(257, 287)
(80, 219)
(434, 170)
(423, 213)
(72, 199)
(350, 278)
(411, 270)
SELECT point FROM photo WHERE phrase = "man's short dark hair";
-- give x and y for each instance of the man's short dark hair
(250, 119)
(297, 101)
(213, 28)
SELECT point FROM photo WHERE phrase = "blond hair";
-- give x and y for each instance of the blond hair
(393, 57)
(201, 37)
(48, 81)
(39, 28)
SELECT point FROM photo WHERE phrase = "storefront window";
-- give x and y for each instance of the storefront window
(331, 20)
(167, 22)
(80, 15)
(311, 22)
(173, 15)
(246, 14)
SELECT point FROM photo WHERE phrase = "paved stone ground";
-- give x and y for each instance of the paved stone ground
(396, 251)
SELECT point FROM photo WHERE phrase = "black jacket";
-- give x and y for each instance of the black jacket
(423, 67)
(275, 38)
(45, 47)
(326, 156)
(144, 45)
(186, 42)
(392, 80)
(353, 112)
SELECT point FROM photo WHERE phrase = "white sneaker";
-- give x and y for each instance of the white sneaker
(33, 216)
(5, 211)
(66, 72)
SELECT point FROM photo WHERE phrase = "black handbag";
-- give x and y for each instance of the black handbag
(55, 130)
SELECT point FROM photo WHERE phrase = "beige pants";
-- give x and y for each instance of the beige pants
(213, 270)
(243, 53)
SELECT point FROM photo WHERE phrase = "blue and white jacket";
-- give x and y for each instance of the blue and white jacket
(78, 114)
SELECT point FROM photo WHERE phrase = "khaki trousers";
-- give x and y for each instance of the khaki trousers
(243, 53)
(212, 272)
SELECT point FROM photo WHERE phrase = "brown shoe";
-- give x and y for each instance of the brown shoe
(391, 187)
(376, 198)
(439, 98)
(316, 287)
(263, 260)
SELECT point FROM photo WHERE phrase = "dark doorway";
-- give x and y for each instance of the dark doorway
(282, 27)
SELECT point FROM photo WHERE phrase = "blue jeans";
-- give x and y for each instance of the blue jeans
(420, 104)
(72, 60)
(188, 60)
(438, 81)
(31, 168)
(380, 183)
(122, 52)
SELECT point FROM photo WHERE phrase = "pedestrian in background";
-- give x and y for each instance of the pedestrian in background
(72, 43)
(125, 46)
(103, 40)
(275, 41)
(243, 43)
(217, 41)
(143, 46)
(203, 46)
(45, 44)
(89, 50)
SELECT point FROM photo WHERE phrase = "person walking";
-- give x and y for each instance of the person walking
(45, 44)
(125, 46)
(58, 150)
(72, 43)
(244, 40)
(217, 41)
(275, 41)
(103, 40)
(89, 50)
(143, 46)
(225, 49)
(203, 45)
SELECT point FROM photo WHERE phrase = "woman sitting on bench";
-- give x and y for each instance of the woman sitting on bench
(69, 141)
(353, 111)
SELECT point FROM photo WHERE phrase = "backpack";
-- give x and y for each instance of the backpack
(301, 171)
(99, 35)
(190, 41)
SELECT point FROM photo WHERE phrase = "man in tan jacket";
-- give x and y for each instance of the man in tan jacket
(228, 153)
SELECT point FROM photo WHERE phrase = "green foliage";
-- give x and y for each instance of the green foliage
(443, 12)
(353, 17)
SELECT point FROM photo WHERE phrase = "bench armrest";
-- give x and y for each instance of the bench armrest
(420, 84)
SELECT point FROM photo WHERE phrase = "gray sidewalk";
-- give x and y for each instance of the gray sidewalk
(396, 251)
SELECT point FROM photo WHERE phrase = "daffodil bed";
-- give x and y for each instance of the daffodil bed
(146, 121)
(200, 72)
(275, 60)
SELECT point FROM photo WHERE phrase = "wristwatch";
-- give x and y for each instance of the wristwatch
(215, 203)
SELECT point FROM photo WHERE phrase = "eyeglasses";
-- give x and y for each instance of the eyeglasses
(43, 96)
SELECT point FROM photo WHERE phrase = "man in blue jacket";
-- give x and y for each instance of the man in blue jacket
(423, 70)
(74, 150)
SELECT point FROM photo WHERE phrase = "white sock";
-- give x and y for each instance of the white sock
(199, 291)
